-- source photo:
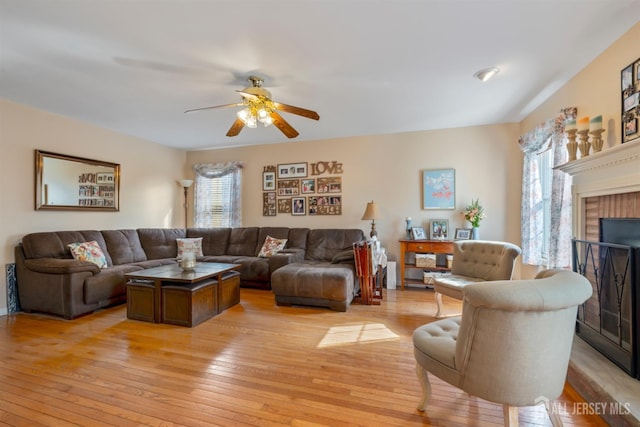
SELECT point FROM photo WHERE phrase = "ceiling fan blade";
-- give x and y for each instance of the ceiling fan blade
(282, 124)
(235, 128)
(237, 104)
(248, 95)
(297, 110)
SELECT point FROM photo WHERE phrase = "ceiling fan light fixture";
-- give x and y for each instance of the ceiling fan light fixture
(486, 73)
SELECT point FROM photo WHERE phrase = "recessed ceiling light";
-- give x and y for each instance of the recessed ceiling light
(486, 73)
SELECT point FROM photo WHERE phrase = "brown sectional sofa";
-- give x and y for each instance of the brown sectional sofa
(50, 281)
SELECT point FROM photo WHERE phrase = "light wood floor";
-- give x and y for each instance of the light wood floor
(255, 364)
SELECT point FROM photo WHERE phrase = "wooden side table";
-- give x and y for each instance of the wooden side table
(422, 247)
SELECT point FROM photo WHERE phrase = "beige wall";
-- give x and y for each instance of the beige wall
(149, 193)
(596, 89)
(387, 169)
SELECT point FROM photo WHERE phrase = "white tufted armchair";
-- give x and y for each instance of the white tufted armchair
(510, 346)
(475, 261)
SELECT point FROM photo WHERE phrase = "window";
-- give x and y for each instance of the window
(545, 168)
(218, 195)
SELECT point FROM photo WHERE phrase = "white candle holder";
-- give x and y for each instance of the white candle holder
(572, 145)
(596, 140)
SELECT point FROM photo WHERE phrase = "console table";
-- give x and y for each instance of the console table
(422, 247)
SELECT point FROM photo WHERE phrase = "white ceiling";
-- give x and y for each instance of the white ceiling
(367, 67)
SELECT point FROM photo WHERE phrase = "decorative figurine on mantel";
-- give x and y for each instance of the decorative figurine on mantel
(572, 145)
(595, 130)
(583, 131)
(409, 227)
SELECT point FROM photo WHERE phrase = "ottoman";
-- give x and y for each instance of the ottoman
(320, 285)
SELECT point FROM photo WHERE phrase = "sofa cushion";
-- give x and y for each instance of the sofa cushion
(124, 246)
(107, 284)
(88, 251)
(324, 244)
(274, 232)
(214, 240)
(192, 244)
(298, 238)
(243, 241)
(53, 244)
(271, 246)
(160, 242)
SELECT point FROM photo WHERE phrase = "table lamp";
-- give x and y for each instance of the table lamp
(371, 213)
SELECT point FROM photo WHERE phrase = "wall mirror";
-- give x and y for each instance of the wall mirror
(75, 183)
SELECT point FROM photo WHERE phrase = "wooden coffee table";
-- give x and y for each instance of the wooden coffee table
(167, 294)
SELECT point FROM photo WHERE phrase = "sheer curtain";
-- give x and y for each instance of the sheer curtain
(547, 135)
(218, 195)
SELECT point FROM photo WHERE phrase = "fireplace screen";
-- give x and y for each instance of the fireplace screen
(608, 320)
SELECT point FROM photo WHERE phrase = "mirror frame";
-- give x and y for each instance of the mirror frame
(41, 191)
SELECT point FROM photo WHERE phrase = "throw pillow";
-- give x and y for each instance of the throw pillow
(271, 246)
(190, 245)
(88, 251)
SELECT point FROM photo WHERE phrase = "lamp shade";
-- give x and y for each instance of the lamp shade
(371, 213)
(186, 183)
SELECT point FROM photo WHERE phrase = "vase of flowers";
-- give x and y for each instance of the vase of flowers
(474, 213)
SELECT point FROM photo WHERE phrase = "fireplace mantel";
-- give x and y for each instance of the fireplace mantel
(615, 170)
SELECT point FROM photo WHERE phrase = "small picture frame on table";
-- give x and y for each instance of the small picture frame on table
(463, 234)
(439, 229)
(418, 233)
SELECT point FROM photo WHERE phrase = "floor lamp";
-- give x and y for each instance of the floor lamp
(186, 183)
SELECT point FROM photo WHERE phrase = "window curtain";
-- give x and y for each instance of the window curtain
(230, 195)
(547, 135)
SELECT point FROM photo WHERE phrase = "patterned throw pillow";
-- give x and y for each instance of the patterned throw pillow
(272, 246)
(190, 245)
(88, 251)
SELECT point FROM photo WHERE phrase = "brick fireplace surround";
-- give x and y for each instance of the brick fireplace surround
(605, 185)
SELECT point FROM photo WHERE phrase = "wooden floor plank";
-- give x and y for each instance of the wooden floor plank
(256, 364)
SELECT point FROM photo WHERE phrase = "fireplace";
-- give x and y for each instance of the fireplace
(605, 194)
(609, 320)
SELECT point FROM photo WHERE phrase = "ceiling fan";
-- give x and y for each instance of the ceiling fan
(259, 108)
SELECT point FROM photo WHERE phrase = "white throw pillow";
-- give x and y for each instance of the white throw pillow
(190, 245)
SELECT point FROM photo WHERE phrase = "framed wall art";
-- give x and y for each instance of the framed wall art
(284, 206)
(438, 189)
(288, 187)
(292, 170)
(269, 204)
(630, 101)
(268, 181)
(330, 185)
(308, 186)
(439, 229)
(298, 206)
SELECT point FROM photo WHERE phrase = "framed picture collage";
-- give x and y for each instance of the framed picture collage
(630, 79)
(290, 189)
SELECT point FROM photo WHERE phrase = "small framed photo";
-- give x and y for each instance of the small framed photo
(308, 186)
(298, 206)
(268, 181)
(631, 102)
(292, 170)
(439, 229)
(463, 234)
(418, 233)
(626, 77)
(631, 127)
